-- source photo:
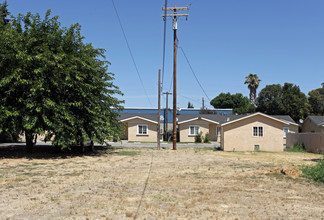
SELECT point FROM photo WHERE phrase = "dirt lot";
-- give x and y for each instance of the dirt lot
(182, 184)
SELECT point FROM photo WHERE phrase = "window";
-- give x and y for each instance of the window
(142, 130)
(194, 129)
(257, 131)
(256, 147)
(285, 131)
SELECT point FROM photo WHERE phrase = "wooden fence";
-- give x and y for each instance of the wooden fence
(313, 142)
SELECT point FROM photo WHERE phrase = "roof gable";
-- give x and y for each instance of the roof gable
(145, 117)
(318, 120)
(256, 114)
(198, 118)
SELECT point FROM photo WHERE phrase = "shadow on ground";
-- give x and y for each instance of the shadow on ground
(18, 150)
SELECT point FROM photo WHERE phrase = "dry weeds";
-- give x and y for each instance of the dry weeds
(183, 184)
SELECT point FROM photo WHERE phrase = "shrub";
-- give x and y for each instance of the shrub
(296, 148)
(314, 172)
(198, 138)
(206, 138)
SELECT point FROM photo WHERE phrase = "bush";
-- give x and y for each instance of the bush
(314, 172)
(206, 138)
(198, 138)
(296, 148)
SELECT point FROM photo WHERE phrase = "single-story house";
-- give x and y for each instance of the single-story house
(140, 127)
(313, 124)
(257, 131)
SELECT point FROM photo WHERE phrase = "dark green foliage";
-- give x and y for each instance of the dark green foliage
(283, 100)
(52, 81)
(198, 138)
(190, 105)
(237, 102)
(253, 82)
(296, 148)
(314, 172)
(316, 101)
(206, 138)
(4, 12)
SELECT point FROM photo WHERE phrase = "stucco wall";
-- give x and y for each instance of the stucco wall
(309, 126)
(238, 136)
(184, 130)
(313, 142)
(132, 131)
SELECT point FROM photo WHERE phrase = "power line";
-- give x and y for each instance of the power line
(130, 52)
(193, 72)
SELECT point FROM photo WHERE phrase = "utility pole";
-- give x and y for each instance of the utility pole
(203, 103)
(159, 113)
(175, 27)
(166, 121)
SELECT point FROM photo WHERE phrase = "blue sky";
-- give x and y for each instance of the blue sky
(224, 40)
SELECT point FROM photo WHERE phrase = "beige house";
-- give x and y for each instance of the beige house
(313, 124)
(140, 127)
(257, 132)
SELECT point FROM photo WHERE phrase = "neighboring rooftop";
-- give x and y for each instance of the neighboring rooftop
(318, 120)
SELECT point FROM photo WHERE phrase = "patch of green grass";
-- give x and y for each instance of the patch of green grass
(127, 153)
(315, 173)
(296, 148)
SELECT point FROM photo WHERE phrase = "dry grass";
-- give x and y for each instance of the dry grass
(184, 184)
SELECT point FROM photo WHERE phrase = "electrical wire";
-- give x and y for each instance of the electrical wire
(193, 72)
(131, 54)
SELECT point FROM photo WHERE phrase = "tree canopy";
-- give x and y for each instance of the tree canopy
(190, 105)
(237, 102)
(253, 82)
(316, 101)
(4, 12)
(283, 100)
(53, 82)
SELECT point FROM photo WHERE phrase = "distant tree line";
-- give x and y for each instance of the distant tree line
(274, 99)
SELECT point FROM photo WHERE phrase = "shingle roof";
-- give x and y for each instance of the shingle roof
(126, 116)
(284, 118)
(212, 117)
(318, 120)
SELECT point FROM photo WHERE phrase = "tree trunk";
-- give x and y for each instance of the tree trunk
(29, 140)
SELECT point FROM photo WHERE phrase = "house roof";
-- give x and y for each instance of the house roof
(318, 120)
(146, 117)
(280, 118)
(213, 118)
(286, 118)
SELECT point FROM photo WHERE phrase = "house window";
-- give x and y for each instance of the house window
(257, 131)
(285, 131)
(194, 129)
(142, 129)
(256, 147)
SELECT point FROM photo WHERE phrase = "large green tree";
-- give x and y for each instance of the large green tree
(283, 100)
(253, 82)
(316, 101)
(55, 84)
(4, 12)
(239, 103)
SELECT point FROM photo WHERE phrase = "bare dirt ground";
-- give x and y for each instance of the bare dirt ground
(182, 184)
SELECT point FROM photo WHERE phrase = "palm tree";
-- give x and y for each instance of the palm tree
(253, 82)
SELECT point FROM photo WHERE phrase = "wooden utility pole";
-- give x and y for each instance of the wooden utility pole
(166, 121)
(159, 113)
(175, 27)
